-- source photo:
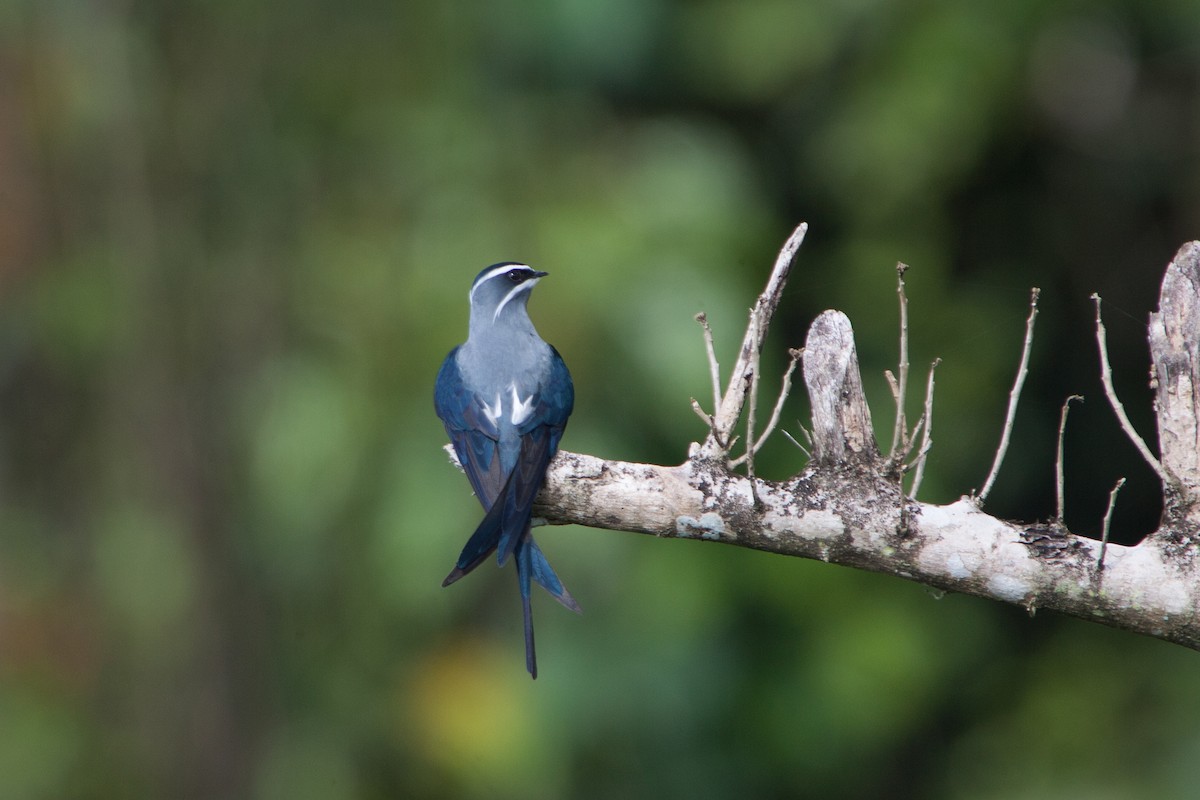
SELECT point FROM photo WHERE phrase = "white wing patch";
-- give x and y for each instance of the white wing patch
(522, 409)
(493, 412)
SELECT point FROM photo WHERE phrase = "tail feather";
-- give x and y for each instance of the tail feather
(478, 548)
(484, 540)
(514, 521)
(520, 490)
(544, 574)
(505, 531)
(524, 571)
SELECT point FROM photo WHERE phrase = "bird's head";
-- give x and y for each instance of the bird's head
(502, 290)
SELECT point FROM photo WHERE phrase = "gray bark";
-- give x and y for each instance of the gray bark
(848, 507)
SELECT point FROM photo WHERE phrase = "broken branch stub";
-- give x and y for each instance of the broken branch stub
(841, 419)
(1175, 349)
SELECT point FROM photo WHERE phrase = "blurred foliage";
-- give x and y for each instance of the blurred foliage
(235, 244)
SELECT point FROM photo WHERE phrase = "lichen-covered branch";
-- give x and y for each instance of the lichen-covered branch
(841, 430)
(847, 507)
(1175, 349)
(851, 517)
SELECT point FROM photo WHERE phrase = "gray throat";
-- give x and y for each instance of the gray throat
(502, 352)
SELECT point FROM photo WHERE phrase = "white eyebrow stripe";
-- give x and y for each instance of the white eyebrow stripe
(524, 286)
(503, 269)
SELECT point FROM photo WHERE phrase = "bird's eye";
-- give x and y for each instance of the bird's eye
(517, 275)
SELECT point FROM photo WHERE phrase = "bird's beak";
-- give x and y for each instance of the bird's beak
(537, 274)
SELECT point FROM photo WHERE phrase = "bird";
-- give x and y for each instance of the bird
(504, 397)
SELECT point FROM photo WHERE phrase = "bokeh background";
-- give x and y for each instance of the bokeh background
(235, 243)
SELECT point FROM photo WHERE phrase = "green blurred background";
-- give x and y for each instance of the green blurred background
(235, 243)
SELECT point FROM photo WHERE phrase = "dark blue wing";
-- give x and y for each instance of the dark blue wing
(540, 435)
(482, 542)
(555, 401)
(473, 435)
(508, 519)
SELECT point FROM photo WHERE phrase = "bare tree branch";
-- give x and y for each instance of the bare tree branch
(727, 413)
(1013, 397)
(799, 446)
(756, 324)
(927, 436)
(773, 422)
(900, 386)
(841, 429)
(1111, 392)
(846, 508)
(853, 517)
(1176, 378)
(700, 412)
(1112, 503)
(714, 367)
(1058, 461)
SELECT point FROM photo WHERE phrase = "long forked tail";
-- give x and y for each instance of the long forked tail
(532, 564)
(544, 574)
(481, 544)
(503, 528)
(524, 557)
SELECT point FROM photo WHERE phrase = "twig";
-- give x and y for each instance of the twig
(807, 433)
(714, 368)
(729, 409)
(1111, 393)
(1058, 468)
(899, 390)
(773, 422)
(794, 355)
(1013, 397)
(1112, 502)
(701, 414)
(792, 439)
(926, 436)
(906, 451)
(752, 405)
(895, 460)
